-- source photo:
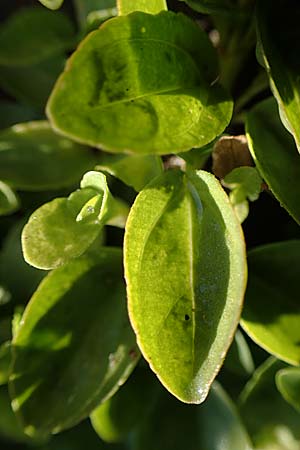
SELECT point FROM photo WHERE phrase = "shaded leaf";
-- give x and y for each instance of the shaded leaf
(67, 356)
(271, 422)
(271, 312)
(147, 89)
(33, 157)
(230, 152)
(32, 35)
(288, 383)
(5, 361)
(12, 113)
(133, 170)
(9, 426)
(280, 52)
(9, 202)
(211, 6)
(185, 279)
(179, 426)
(275, 155)
(91, 13)
(239, 358)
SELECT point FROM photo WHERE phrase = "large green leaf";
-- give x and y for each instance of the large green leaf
(151, 7)
(52, 4)
(74, 347)
(144, 86)
(186, 272)
(275, 154)
(33, 157)
(65, 227)
(136, 397)
(214, 425)
(32, 35)
(288, 383)
(271, 312)
(271, 422)
(279, 38)
(134, 170)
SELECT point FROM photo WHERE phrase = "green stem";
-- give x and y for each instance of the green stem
(147, 6)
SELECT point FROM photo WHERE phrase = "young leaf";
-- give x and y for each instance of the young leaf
(288, 383)
(66, 360)
(133, 170)
(52, 4)
(9, 202)
(33, 157)
(275, 154)
(179, 426)
(272, 423)
(136, 397)
(148, 88)
(147, 6)
(271, 311)
(280, 51)
(33, 35)
(186, 272)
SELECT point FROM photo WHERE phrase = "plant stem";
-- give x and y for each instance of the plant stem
(147, 6)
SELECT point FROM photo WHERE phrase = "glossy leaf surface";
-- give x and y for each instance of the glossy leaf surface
(33, 157)
(69, 357)
(179, 426)
(185, 270)
(147, 87)
(151, 7)
(288, 383)
(133, 170)
(271, 312)
(52, 4)
(136, 397)
(9, 202)
(280, 51)
(275, 154)
(32, 35)
(271, 422)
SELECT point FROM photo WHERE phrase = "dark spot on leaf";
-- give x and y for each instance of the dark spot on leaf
(187, 317)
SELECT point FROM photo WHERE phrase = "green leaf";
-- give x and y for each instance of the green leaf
(5, 361)
(280, 51)
(147, 6)
(288, 383)
(32, 35)
(133, 170)
(68, 359)
(136, 397)
(179, 426)
(33, 157)
(147, 89)
(52, 4)
(186, 273)
(271, 312)
(66, 227)
(272, 423)
(32, 84)
(9, 202)
(10, 428)
(211, 6)
(275, 155)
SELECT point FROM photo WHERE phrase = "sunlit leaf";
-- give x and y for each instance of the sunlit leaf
(52, 4)
(151, 7)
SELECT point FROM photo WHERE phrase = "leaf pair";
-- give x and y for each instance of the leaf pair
(66, 227)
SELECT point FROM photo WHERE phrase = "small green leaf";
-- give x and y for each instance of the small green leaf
(147, 6)
(288, 383)
(133, 170)
(5, 361)
(33, 157)
(147, 87)
(52, 4)
(275, 154)
(66, 359)
(186, 272)
(179, 426)
(280, 51)
(9, 202)
(65, 227)
(32, 35)
(271, 312)
(271, 422)
(136, 397)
